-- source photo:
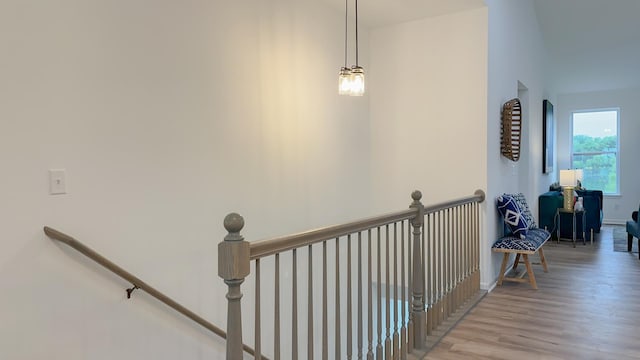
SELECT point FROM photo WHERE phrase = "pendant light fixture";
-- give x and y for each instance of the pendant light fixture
(357, 72)
(350, 80)
(344, 76)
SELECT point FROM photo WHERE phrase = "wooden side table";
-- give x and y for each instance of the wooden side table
(573, 213)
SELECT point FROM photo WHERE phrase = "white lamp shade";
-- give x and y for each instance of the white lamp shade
(570, 177)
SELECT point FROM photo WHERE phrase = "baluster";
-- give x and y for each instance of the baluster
(337, 308)
(472, 253)
(440, 271)
(276, 329)
(310, 307)
(452, 281)
(396, 334)
(468, 226)
(470, 244)
(452, 272)
(428, 265)
(456, 241)
(369, 299)
(470, 230)
(325, 334)
(468, 250)
(476, 242)
(410, 332)
(448, 252)
(418, 283)
(462, 256)
(233, 267)
(349, 316)
(465, 252)
(403, 284)
(258, 349)
(387, 342)
(360, 319)
(294, 304)
(424, 272)
(379, 301)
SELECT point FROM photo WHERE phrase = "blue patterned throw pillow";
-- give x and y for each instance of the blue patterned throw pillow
(524, 209)
(508, 208)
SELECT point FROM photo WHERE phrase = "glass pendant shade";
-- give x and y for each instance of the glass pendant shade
(344, 81)
(357, 81)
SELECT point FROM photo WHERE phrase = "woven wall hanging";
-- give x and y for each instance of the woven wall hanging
(511, 129)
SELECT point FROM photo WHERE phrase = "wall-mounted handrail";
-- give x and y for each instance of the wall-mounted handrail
(137, 283)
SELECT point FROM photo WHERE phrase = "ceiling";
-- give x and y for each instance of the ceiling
(593, 45)
(377, 13)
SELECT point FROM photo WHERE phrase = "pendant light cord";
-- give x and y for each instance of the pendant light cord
(346, 23)
(356, 32)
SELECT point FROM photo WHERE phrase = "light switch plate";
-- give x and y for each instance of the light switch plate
(57, 181)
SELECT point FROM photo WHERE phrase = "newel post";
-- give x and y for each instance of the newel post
(417, 304)
(233, 267)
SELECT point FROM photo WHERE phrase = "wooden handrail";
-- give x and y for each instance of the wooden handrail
(262, 248)
(136, 282)
(478, 196)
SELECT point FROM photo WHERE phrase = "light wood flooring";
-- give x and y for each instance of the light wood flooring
(586, 307)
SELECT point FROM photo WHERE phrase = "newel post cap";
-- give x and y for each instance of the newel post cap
(233, 252)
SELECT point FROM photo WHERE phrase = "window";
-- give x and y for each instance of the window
(595, 148)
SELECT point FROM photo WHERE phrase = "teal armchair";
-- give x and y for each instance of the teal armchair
(633, 229)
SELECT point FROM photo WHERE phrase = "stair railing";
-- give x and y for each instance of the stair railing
(413, 270)
(137, 283)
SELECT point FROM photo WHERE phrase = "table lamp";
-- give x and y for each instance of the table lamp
(568, 181)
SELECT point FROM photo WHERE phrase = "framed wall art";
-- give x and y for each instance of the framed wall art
(547, 137)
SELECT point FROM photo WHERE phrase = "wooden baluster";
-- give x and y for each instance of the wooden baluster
(310, 306)
(387, 342)
(369, 298)
(410, 289)
(276, 325)
(294, 305)
(396, 332)
(337, 308)
(428, 265)
(403, 285)
(349, 310)
(258, 345)
(360, 319)
(325, 333)
(379, 353)
(447, 265)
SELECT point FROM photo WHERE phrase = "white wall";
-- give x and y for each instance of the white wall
(166, 116)
(516, 59)
(428, 108)
(616, 209)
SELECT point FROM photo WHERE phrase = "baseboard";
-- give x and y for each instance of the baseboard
(614, 222)
(489, 286)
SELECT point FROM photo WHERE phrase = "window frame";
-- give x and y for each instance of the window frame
(617, 152)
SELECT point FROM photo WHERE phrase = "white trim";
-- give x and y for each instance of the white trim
(489, 287)
(617, 152)
(614, 222)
